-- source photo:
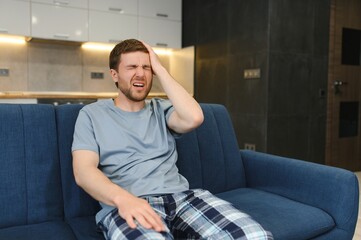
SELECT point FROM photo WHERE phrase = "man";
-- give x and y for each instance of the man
(124, 156)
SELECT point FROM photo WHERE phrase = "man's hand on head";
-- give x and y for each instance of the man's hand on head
(154, 60)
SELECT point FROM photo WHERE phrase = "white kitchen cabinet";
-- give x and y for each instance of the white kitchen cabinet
(15, 17)
(112, 20)
(129, 7)
(160, 22)
(60, 23)
(163, 9)
(111, 27)
(65, 3)
(160, 33)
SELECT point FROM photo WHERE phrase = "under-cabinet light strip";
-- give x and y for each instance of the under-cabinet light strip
(109, 47)
(12, 39)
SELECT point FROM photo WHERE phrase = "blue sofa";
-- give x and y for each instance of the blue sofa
(39, 199)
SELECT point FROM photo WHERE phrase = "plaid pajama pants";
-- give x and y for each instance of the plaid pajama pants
(193, 214)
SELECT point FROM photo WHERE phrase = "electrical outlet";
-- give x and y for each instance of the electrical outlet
(96, 75)
(250, 146)
(4, 72)
(252, 73)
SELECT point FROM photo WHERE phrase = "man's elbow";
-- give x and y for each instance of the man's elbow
(78, 171)
(195, 121)
(198, 120)
(77, 177)
(184, 125)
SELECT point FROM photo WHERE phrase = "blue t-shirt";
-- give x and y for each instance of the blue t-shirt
(136, 150)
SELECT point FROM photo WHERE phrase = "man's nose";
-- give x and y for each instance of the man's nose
(140, 71)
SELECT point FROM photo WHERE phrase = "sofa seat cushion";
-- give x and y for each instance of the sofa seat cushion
(285, 218)
(85, 228)
(54, 230)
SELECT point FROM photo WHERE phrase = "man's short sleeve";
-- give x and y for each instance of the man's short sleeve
(168, 109)
(166, 106)
(84, 138)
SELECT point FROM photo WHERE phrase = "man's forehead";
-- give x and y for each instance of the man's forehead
(134, 58)
(134, 55)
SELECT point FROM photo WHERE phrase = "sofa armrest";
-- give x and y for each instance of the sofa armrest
(332, 189)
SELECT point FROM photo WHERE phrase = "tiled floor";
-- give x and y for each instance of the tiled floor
(357, 235)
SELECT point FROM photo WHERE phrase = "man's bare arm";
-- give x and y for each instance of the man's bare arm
(93, 181)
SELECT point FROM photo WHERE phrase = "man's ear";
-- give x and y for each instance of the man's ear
(114, 75)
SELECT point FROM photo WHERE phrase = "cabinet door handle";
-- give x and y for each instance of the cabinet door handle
(114, 40)
(3, 30)
(162, 44)
(61, 36)
(113, 9)
(162, 15)
(57, 2)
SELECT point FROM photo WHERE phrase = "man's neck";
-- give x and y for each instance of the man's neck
(128, 105)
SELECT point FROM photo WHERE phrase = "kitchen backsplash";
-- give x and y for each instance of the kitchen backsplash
(53, 66)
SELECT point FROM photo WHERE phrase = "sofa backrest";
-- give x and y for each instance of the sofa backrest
(209, 156)
(30, 186)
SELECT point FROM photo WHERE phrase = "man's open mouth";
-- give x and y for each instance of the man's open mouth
(138, 84)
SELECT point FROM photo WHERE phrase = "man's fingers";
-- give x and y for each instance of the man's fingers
(138, 211)
(151, 220)
(147, 220)
(144, 222)
(130, 221)
(156, 221)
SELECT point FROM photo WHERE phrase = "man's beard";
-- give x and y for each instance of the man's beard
(132, 95)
